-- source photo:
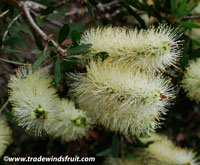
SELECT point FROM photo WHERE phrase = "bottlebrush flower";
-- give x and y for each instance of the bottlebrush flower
(152, 49)
(33, 98)
(117, 161)
(69, 122)
(120, 99)
(5, 136)
(191, 80)
(163, 151)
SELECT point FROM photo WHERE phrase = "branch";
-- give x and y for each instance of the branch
(9, 26)
(4, 13)
(4, 106)
(192, 17)
(27, 6)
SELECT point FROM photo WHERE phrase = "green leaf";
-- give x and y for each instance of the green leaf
(9, 116)
(133, 13)
(89, 7)
(16, 41)
(87, 54)
(195, 54)
(79, 48)
(48, 10)
(12, 50)
(63, 33)
(115, 146)
(181, 8)
(106, 152)
(173, 5)
(39, 21)
(38, 39)
(69, 64)
(102, 55)
(13, 62)
(130, 156)
(41, 59)
(195, 42)
(76, 36)
(79, 27)
(57, 72)
(1, 41)
(56, 15)
(189, 24)
(36, 51)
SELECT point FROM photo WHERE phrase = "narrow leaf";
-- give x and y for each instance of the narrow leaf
(115, 146)
(79, 48)
(189, 24)
(76, 36)
(89, 7)
(104, 153)
(63, 33)
(57, 72)
(41, 59)
(12, 62)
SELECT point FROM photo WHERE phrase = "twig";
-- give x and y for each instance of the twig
(128, 139)
(4, 106)
(9, 26)
(27, 6)
(4, 13)
(60, 3)
(192, 17)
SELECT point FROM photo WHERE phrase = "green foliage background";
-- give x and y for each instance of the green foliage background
(24, 45)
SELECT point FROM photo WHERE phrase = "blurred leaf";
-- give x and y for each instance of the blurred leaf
(189, 24)
(87, 54)
(181, 8)
(79, 48)
(38, 39)
(106, 152)
(16, 41)
(195, 54)
(57, 72)
(69, 64)
(36, 51)
(12, 62)
(102, 55)
(195, 42)
(173, 5)
(39, 21)
(12, 50)
(115, 146)
(48, 10)
(186, 47)
(56, 15)
(79, 27)
(130, 156)
(41, 59)
(9, 116)
(76, 36)
(93, 2)
(192, 8)
(89, 7)
(133, 13)
(63, 33)
(1, 41)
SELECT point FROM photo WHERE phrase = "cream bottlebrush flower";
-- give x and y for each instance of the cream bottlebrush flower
(152, 49)
(163, 151)
(5, 136)
(69, 122)
(33, 98)
(191, 80)
(120, 99)
(117, 161)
